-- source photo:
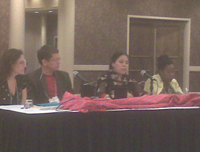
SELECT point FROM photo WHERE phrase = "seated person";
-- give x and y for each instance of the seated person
(12, 79)
(165, 82)
(47, 83)
(116, 81)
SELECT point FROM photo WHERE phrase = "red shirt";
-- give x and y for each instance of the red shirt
(51, 85)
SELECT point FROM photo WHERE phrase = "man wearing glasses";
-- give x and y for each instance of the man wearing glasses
(48, 83)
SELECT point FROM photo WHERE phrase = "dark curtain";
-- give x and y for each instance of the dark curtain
(122, 131)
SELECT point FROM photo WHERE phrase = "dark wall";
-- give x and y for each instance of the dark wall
(4, 24)
(101, 28)
(101, 25)
(52, 21)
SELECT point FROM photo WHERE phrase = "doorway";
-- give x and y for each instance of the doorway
(150, 37)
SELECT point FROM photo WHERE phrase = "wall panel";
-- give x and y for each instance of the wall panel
(101, 26)
(4, 26)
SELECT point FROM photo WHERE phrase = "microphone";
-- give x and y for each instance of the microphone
(78, 75)
(144, 73)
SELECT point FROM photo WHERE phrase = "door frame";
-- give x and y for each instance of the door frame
(186, 43)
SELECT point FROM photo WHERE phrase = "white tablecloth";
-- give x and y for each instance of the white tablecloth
(52, 109)
(33, 110)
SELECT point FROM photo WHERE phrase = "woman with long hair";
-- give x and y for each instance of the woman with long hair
(12, 79)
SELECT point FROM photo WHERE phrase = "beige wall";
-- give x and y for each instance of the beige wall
(102, 29)
(4, 26)
(31, 4)
(101, 26)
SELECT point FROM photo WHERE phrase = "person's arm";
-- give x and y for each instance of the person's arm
(137, 90)
(156, 88)
(177, 88)
(147, 86)
(179, 91)
(134, 89)
(100, 90)
(22, 84)
(63, 82)
(24, 96)
(69, 84)
(129, 95)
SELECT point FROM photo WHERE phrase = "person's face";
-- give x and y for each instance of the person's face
(168, 73)
(53, 63)
(19, 66)
(121, 65)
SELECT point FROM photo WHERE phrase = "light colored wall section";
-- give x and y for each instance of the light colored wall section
(91, 67)
(17, 26)
(43, 29)
(4, 28)
(66, 23)
(30, 4)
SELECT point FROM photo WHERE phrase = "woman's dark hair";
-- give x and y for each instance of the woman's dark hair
(163, 61)
(45, 52)
(8, 59)
(114, 57)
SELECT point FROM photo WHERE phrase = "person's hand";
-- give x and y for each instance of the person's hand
(129, 95)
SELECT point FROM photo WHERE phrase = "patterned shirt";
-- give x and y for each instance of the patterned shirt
(114, 85)
(6, 96)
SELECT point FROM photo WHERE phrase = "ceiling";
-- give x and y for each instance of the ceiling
(41, 6)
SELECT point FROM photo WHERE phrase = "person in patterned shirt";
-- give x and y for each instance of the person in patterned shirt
(116, 83)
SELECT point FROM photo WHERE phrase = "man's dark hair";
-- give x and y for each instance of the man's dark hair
(45, 52)
(163, 61)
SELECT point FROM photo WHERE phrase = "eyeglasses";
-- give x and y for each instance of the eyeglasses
(23, 62)
(55, 60)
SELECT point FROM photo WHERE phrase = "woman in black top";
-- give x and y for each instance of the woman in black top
(12, 80)
(116, 83)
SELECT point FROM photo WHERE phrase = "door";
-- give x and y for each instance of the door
(150, 38)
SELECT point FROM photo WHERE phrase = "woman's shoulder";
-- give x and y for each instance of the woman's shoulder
(174, 81)
(156, 76)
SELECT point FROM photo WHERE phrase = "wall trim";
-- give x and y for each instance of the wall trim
(106, 67)
(91, 67)
(194, 68)
(159, 18)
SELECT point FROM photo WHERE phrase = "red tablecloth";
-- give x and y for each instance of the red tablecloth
(75, 102)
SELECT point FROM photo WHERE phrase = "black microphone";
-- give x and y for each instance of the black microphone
(144, 73)
(78, 75)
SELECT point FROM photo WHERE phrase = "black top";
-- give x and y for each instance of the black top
(37, 87)
(6, 96)
(117, 85)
